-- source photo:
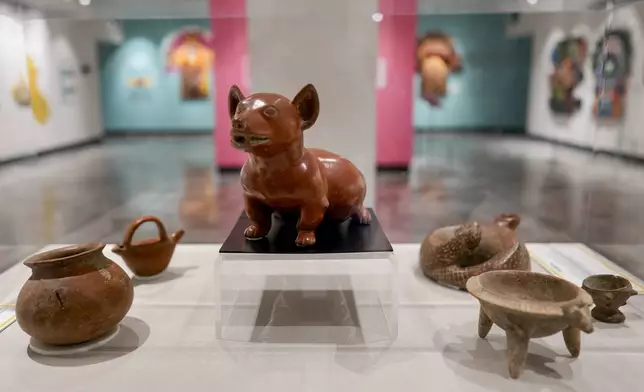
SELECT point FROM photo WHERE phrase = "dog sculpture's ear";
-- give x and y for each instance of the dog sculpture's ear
(235, 96)
(307, 104)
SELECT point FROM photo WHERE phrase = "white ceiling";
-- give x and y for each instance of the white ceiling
(121, 9)
(150, 9)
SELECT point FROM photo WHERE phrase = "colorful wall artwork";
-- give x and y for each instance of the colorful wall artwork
(142, 88)
(612, 65)
(568, 59)
(190, 55)
(492, 91)
(436, 60)
(28, 93)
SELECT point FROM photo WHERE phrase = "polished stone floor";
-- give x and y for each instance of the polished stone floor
(91, 194)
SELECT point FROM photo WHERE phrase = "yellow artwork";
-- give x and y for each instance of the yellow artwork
(191, 55)
(39, 104)
(140, 82)
(27, 93)
(20, 92)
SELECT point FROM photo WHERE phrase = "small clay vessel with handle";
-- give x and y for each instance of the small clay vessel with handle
(609, 292)
(150, 257)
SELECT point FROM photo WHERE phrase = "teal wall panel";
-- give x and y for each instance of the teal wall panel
(491, 90)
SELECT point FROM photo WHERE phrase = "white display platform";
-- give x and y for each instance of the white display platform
(341, 298)
(168, 342)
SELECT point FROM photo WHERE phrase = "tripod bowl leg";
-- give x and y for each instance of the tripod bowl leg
(572, 337)
(485, 324)
(517, 352)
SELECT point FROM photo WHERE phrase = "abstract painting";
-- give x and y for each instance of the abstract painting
(189, 53)
(612, 67)
(568, 59)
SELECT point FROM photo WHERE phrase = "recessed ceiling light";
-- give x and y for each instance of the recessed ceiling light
(84, 2)
(532, 2)
(377, 17)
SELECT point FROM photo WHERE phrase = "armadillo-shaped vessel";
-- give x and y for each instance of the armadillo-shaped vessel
(452, 255)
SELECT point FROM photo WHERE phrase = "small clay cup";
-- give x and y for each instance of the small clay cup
(609, 292)
(150, 257)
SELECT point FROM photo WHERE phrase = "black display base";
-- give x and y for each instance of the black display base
(331, 236)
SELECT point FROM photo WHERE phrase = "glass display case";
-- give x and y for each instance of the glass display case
(456, 186)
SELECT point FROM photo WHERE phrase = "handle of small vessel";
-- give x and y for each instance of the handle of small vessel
(163, 235)
(509, 220)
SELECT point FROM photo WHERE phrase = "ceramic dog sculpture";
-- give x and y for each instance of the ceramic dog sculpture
(281, 175)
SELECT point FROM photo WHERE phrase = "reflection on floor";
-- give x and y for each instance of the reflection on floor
(92, 194)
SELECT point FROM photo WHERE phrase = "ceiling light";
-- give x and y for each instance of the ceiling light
(532, 2)
(377, 17)
(84, 2)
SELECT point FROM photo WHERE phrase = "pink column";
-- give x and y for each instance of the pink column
(396, 46)
(228, 25)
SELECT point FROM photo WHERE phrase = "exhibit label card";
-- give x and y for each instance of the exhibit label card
(7, 316)
(575, 262)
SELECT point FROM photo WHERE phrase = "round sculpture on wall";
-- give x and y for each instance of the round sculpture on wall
(451, 255)
(568, 59)
(281, 175)
(436, 59)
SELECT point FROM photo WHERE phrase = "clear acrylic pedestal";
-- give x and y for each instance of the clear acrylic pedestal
(336, 298)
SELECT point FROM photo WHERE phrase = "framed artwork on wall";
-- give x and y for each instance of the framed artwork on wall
(612, 67)
(568, 59)
(189, 54)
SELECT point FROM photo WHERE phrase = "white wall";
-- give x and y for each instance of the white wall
(581, 128)
(54, 45)
(332, 44)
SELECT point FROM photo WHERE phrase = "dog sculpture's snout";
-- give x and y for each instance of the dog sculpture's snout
(238, 125)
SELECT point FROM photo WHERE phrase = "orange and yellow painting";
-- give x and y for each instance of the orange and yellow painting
(189, 53)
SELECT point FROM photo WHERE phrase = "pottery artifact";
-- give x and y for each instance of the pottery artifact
(75, 294)
(452, 255)
(281, 175)
(609, 292)
(530, 305)
(149, 257)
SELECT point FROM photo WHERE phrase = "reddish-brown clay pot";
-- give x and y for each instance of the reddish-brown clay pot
(149, 257)
(75, 294)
